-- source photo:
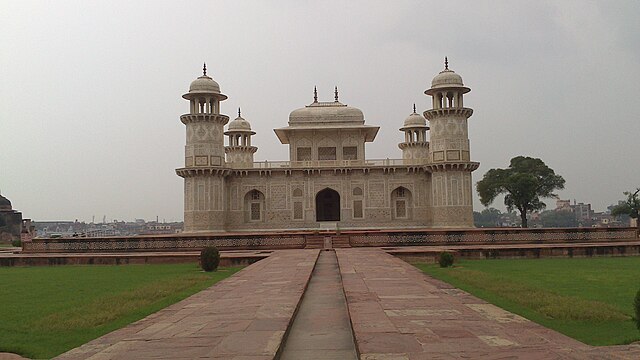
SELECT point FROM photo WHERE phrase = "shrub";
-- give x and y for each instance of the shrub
(445, 259)
(209, 258)
(16, 243)
(636, 307)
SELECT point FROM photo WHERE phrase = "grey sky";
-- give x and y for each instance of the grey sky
(90, 92)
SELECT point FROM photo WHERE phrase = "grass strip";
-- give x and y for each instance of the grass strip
(49, 310)
(587, 299)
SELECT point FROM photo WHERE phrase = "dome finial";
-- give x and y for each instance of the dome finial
(315, 94)
(414, 108)
(204, 69)
(336, 93)
(446, 63)
(239, 111)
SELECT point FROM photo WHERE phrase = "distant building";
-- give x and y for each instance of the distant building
(582, 212)
(563, 205)
(10, 221)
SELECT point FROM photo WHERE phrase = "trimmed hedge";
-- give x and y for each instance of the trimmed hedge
(209, 258)
(445, 259)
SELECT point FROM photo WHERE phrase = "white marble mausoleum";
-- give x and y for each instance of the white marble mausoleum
(328, 182)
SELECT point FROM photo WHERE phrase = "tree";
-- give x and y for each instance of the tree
(630, 207)
(489, 217)
(554, 219)
(523, 183)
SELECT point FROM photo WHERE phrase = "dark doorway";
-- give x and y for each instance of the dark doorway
(328, 205)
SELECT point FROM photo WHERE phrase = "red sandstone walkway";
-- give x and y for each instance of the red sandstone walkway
(398, 313)
(321, 329)
(243, 317)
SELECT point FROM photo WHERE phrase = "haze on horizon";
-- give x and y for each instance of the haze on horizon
(90, 92)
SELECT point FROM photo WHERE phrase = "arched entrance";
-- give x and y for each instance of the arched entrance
(328, 205)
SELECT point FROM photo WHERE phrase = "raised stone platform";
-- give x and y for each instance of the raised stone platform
(301, 239)
(227, 258)
(243, 317)
(396, 312)
(399, 313)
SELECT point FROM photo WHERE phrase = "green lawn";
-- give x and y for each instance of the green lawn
(45, 311)
(589, 299)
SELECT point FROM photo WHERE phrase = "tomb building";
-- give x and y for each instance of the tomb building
(328, 182)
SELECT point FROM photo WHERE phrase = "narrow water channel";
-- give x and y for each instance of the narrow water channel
(321, 329)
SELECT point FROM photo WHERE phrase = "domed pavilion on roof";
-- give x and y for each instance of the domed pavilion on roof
(10, 221)
(328, 182)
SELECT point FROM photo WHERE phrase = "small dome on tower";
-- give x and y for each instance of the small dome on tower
(239, 123)
(415, 119)
(204, 84)
(5, 204)
(446, 78)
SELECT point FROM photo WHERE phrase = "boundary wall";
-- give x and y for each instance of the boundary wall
(302, 239)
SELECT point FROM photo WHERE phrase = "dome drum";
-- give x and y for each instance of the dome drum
(5, 204)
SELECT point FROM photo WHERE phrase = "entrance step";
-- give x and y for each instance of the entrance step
(321, 328)
(314, 242)
(341, 241)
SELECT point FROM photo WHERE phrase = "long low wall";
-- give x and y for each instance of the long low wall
(297, 240)
(172, 242)
(491, 236)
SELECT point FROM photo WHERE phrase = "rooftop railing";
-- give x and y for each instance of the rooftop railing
(330, 163)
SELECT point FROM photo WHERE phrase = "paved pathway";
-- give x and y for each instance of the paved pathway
(399, 313)
(243, 317)
(321, 329)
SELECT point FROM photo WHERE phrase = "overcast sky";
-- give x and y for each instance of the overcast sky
(90, 91)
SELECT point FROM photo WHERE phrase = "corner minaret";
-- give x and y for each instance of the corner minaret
(449, 154)
(240, 151)
(204, 171)
(415, 148)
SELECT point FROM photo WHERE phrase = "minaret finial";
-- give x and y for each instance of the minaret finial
(204, 69)
(315, 94)
(336, 93)
(446, 63)
(414, 108)
(239, 111)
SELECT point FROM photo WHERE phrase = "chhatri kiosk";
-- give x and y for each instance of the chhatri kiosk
(328, 181)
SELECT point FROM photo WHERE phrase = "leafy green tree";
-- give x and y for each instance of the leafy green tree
(630, 207)
(523, 183)
(554, 219)
(489, 217)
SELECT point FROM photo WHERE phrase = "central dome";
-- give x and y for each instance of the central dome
(319, 113)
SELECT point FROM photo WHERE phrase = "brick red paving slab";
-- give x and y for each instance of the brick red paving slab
(242, 317)
(399, 313)
(321, 329)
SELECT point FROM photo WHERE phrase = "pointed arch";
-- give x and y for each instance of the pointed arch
(402, 203)
(254, 201)
(327, 205)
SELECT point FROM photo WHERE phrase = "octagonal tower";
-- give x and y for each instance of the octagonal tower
(449, 154)
(204, 171)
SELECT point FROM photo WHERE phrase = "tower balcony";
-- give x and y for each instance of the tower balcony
(453, 111)
(452, 165)
(192, 118)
